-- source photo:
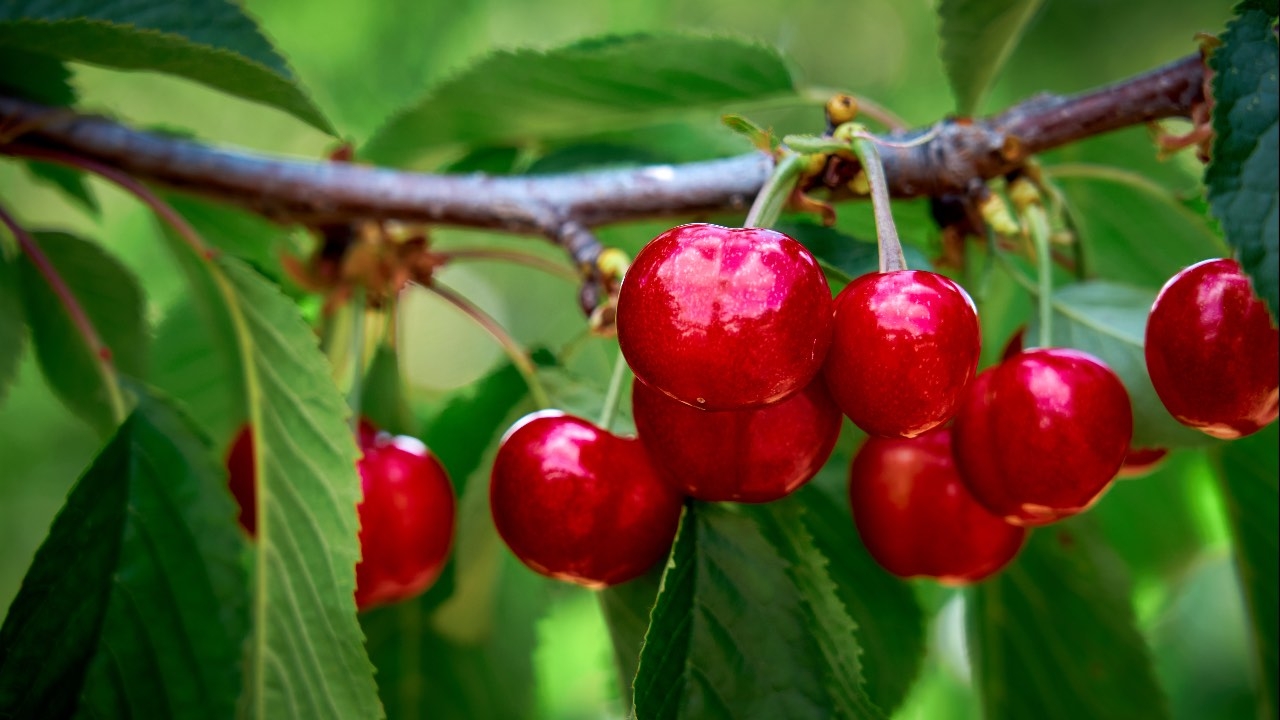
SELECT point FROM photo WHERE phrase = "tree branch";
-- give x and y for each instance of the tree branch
(564, 207)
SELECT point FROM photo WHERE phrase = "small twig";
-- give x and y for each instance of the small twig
(891, 257)
(773, 197)
(512, 256)
(355, 396)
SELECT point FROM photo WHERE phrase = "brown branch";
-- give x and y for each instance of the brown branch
(564, 207)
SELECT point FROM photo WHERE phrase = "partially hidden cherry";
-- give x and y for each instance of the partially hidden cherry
(1212, 352)
(755, 455)
(722, 319)
(1142, 461)
(1040, 436)
(905, 346)
(577, 503)
(916, 517)
(407, 513)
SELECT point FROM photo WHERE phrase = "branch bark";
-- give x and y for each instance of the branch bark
(962, 153)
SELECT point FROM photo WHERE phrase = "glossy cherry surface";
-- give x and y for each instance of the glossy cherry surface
(916, 517)
(1040, 436)
(580, 504)
(905, 346)
(754, 455)
(1212, 352)
(722, 318)
(1142, 461)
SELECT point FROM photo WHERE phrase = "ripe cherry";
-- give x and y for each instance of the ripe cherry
(1040, 436)
(754, 455)
(905, 346)
(406, 515)
(1212, 352)
(1142, 461)
(578, 503)
(723, 319)
(917, 518)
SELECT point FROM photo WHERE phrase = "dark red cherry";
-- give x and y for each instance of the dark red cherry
(241, 475)
(1040, 436)
(905, 345)
(1142, 461)
(577, 503)
(1212, 352)
(722, 319)
(754, 455)
(917, 519)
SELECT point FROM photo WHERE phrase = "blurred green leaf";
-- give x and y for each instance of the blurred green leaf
(1243, 178)
(384, 398)
(137, 603)
(114, 305)
(626, 609)
(195, 361)
(210, 41)
(842, 255)
(471, 421)
(13, 324)
(977, 37)
(1109, 321)
(589, 86)
(43, 79)
(247, 236)
(591, 155)
(1053, 635)
(891, 625)
(70, 181)
(742, 622)
(1251, 483)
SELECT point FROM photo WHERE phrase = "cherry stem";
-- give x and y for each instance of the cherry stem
(355, 394)
(512, 256)
(613, 395)
(512, 347)
(773, 197)
(1038, 224)
(79, 319)
(891, 257)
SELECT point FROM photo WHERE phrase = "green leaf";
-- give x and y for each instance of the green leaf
(43, 79)
(195, 361)
(977, 38)
(1053, 635)
(245, 235)
(891, 624)
(114, 305)
(1250, 473)
(843, 256)
(13, 324)
(71, 182)
(1109, 321)
(746, 625)
(1243, 179)
(626, 610)
(136, 603)
(384, 398)
(210, 41)
(587, 87)
(473, 418)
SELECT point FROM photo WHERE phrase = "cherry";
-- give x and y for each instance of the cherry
(917, 519)
(406, 515)
(754, 455)
(578, 503)
(1142, 461)
(905, 345)
(1040, 436)
(1212, 352)
(723, 319)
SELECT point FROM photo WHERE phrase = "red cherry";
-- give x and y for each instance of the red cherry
(406, 515)
(580, 504)
(754, 455)
(905, 346)
(1141, 461)
(723, 319)
(1212, 352)
(1040, 436)
(916, 517)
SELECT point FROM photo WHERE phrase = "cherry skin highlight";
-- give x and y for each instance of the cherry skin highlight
(1212, 352)
(723, 319)
(1040, 436)
(407, 513)
(755, 455)
(916, 517)
(905, 346)
(580, 504)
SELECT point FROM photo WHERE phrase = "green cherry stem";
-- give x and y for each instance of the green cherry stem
(1038, 225)
(891, 257)
(612, 396)
(777, 189)
(356, 393)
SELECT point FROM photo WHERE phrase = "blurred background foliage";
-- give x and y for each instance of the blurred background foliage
(364, 61)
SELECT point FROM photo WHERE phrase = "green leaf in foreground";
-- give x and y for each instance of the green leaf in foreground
(977, 38)
(43, 79)
(580, 89)
(626, 610)
(13, 324)
(136, 603)
(210, 41)
(1053, 635)
(1109, 320)
(1243, 178)
(1251, 483)
(113, 302)
(747, 623)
